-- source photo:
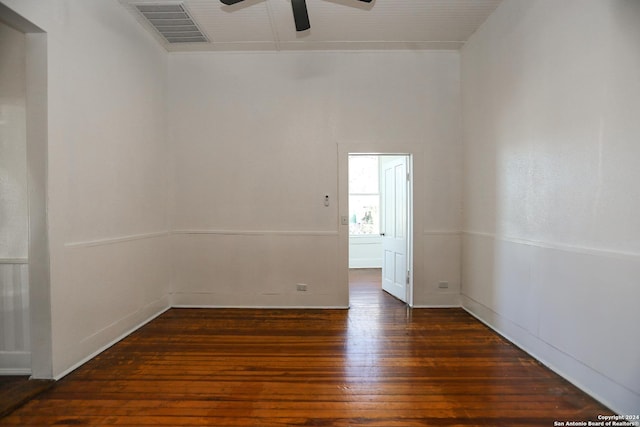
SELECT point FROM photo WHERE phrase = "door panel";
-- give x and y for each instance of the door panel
(401, 200)
(394, 226)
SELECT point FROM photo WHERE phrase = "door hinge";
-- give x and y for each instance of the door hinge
(408, 274)
(408, 176)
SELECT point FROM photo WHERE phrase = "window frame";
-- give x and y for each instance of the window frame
(376, 233)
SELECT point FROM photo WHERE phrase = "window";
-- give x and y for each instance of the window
(364, 196)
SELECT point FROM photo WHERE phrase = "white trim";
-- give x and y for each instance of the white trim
(442, 232)
(591, 381)
(258, 301)
(14, 260)
(350, 47)
(557, 246)
(14, 371)
(421, 306)
(113, 341)
(365, 263)
(259, 232)
(441, 298)
(265, 307)
(363, 239)
(115, 240)
(19, 362)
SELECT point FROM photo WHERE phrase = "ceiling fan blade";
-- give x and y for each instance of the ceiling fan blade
(230, 2)
(300, 15)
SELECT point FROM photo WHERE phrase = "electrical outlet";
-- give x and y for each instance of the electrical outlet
(443, 285)
(301, 287)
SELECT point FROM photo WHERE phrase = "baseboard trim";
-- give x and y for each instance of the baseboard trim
(15, 363)
(112, 342)
(365, 263)
(296, 301)
(436, 299)
(420, 306)
(116, 340)
(554, 359)
(116, 240)
(318, 233)
(12, 372)
(269, 307)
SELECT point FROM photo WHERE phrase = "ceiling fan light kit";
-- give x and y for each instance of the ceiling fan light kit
(300, 14)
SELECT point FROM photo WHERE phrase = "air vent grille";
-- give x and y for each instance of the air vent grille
(173, 22)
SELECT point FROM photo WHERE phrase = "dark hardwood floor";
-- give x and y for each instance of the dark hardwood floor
(377, 364)
(16, 390)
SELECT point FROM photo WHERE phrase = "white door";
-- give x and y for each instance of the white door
(394, 226)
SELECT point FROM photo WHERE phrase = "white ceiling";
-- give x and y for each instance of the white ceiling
(335, 24)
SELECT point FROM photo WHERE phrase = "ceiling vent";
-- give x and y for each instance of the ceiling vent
(173, 22)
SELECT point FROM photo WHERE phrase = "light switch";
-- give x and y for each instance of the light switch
(344, 220)
(326, 200)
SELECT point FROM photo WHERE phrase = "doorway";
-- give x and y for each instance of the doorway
(15, 350)
(380, 219)
(35, 354)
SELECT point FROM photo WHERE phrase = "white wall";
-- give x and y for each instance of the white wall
(551, 100)
(107, 211)
(365, 251)
(241, 145)
(255, 140)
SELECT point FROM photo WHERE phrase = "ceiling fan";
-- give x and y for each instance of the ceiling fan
(300, 15)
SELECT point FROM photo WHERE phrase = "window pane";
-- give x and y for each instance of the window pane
(364, 214)
(363, 174)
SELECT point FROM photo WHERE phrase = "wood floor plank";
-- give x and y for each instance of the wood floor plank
(377, 364)
(16, 390)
